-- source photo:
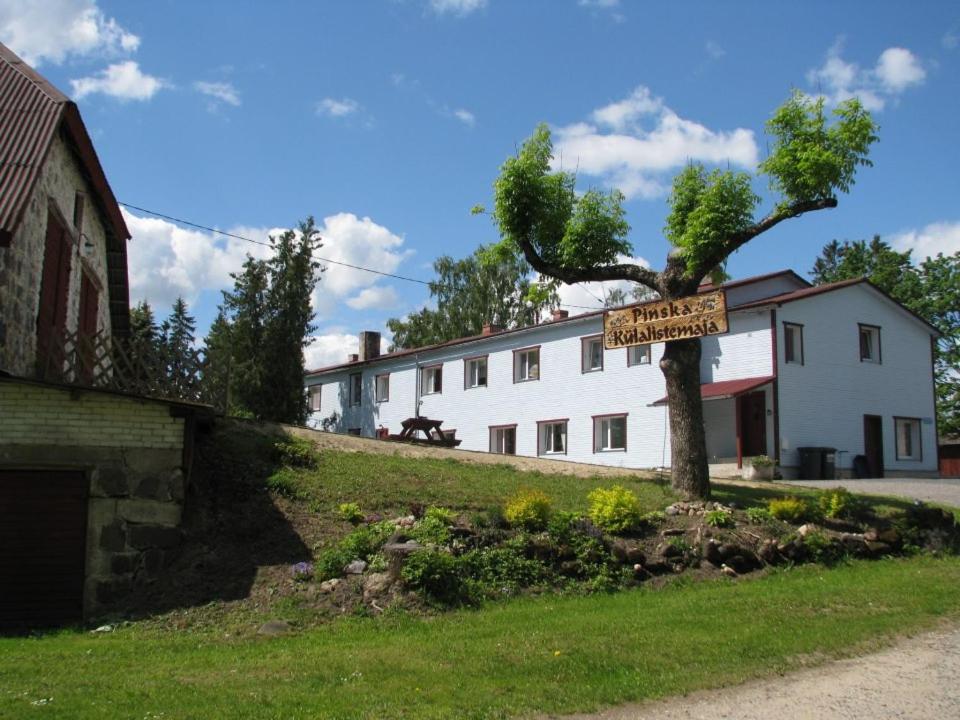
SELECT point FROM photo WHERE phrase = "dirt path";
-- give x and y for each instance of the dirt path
(915, 679)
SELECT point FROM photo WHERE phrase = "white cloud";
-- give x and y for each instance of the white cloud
(951, 39)
(332, 107)
(123, 80)
(377, 297)
(715, 50)
(456, 7)
(50, 30)
(332, 348)
(837, 80)
(939, 237)
(465, 116)
(222, 91)
(632, 143)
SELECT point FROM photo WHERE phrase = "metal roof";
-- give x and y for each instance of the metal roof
(726, 389)
(32, 113)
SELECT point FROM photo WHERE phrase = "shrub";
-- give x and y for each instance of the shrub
(285, 482)
(528, 509)
(718, 518)
(788, 509)
(447, 517)
(759, 515)
(838, 503)
(680, 543)
(504, 570)
(614, 509)
(295, 452)
(439, 576)
(654, 517)
(361, 544)
(351, 512)
(762, 461)
(430, 530)
(821, 549)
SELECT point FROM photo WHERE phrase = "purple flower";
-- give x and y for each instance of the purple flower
(302, 571)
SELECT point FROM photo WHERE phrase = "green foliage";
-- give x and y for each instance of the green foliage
(789, 509)
(361, 544)
(718, 518)
(482, 288)
(811, 159)
(821, 548)
(654, 517)
(762, 461)
(430, 530)
(707, 209)
(680, 543)
(615, 509)
(528, 509)
(504, 570)
(838, 503)
(350, 512)
(285, 481)
(447, 517)
(759, 515)
(295, 452)
(439, 576)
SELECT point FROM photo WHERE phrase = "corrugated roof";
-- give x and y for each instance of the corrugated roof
(32, 112)
(575, 318)
(727, 388)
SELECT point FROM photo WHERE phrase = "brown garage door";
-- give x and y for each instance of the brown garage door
(43, 527)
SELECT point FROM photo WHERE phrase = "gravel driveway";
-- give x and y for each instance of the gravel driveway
(915, 679)
(926, 489)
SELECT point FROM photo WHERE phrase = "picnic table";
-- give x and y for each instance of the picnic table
(433, 433)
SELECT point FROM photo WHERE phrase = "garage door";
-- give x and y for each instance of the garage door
(43, 524)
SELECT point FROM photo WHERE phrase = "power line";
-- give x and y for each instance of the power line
(181, 221)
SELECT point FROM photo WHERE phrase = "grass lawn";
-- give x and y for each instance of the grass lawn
(548, 654)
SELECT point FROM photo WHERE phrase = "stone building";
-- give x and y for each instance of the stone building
(92, 476)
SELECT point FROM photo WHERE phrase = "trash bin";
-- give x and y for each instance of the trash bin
(817, 463)
(828, 463)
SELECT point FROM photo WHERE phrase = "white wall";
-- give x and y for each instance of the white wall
(822, 402)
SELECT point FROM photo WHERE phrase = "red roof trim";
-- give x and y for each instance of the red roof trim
(727, 388)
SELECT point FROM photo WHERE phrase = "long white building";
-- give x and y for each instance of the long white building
(840, 365)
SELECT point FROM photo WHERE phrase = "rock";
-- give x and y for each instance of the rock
(890, 535)
(669, 532)
(103, 629)
(375, 585)
(728, 571)
(745, 561)
(272, 628)
(876, 547)
(666, 550)
(407, 521)
(356, 567)
(328, 586)
(397, 554)
(728, 550)
(792, 550)
(805, 530)
(671, 511)
(569, 568)
(711, 552)
(768, 552)
(658, 568)
(542, 548)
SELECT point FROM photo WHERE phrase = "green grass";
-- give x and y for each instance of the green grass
(548, 654)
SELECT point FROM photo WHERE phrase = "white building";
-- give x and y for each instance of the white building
(840, 365)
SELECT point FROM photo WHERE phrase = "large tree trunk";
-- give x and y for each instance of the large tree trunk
(688, 445)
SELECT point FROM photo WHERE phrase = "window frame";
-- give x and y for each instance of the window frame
(314, 391)
(541, 451)
(358, 400)
(787, 326)
(516, 356)
(596, 419)
(875, 329)
(466, 371)
(648, 347)
(491, 429)
(423, 375)
(918, 457)
(585, 343)
(376, 388)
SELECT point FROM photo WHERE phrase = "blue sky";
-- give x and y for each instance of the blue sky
(388, 119)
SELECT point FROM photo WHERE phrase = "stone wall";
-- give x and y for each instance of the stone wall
(21, 264)
(132, 452)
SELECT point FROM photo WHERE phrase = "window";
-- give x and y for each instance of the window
(793, 343)
(503, 439)
(552, 437)
(356, 388)
(609, 433)
(908, 438)
(870, 344)
(591, 352)
(383, 388)
(475, 372)
(526, 364)
(638, 355)
(78, 201)
(353, 431)
(431, 380)
(313, 398)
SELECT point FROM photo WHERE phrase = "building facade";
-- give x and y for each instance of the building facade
(840, 366)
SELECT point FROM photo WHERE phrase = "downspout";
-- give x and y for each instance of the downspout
(776, 387)
(416, 382)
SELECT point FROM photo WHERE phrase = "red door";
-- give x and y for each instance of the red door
(52, 313)
(873, 444)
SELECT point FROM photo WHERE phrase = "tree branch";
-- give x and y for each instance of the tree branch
(634, 273)
(734, 242)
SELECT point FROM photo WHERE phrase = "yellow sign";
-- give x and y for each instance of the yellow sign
(663, 320)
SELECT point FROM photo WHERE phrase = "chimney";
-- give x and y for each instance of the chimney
(352, 357)
(369, 345)
(558, 314)
(491, 329)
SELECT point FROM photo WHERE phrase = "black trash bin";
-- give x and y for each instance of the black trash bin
(828, 463)
(817, 463)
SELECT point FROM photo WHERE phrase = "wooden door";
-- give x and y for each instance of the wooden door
(87, 329)
(54, 286)
(753, 423)
(873, 444)
(43, 529)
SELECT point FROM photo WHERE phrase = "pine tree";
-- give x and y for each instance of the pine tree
(218, 361)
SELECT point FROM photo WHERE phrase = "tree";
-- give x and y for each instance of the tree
(470, 293)
(176, 338)
(218, 362)
(270, 318)
(930, 289)
(578, 238)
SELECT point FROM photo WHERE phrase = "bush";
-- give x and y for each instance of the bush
(351, 512)
(718, 518)
(528, 509)
(447, 517)
(614, 509)
(295, 452)
(654, 517)
(504, 570)
(762, 461)
(430, 530)
(285, 482)
(759, 515)
(838, 503)
(362, 544)
(439, 576)
(821, 549)
(789, 509)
